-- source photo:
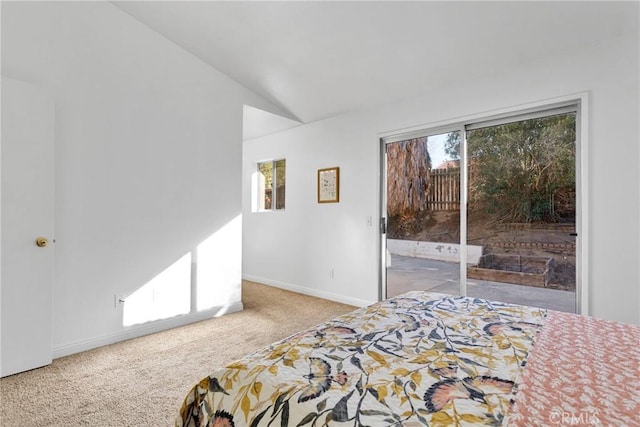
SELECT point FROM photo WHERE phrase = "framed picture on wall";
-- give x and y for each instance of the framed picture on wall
(329, 185)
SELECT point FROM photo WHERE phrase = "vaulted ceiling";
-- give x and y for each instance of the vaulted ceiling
(320, 59)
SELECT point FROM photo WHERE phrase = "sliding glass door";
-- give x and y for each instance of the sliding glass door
(423, 215)
(500, 195)
(521, 211)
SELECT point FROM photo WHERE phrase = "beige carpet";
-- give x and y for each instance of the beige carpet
(142, 382)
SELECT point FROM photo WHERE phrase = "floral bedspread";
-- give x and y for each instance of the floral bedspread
(417, 359)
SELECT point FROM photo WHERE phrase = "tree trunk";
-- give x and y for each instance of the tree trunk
(408, 166)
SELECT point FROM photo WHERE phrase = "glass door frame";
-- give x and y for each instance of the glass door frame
(576, 103)
(431, 131)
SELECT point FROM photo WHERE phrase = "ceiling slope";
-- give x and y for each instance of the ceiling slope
(319, 59)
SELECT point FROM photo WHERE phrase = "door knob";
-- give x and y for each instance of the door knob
(41, 242)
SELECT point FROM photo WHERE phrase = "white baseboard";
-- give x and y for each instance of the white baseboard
(307, 291)
(135, 331)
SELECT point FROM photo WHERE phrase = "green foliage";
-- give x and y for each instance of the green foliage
(267, 171)
(518, 170)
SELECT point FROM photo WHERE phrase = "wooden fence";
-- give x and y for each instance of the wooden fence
(444, 190)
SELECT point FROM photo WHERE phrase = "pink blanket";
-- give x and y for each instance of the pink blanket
(581, 371)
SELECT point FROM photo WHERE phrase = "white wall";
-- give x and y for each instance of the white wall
(297, 248)
(148, 154)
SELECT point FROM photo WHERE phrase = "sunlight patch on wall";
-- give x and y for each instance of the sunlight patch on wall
(219, 269)
(166, 295)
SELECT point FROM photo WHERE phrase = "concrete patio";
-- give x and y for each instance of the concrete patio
(406, 274)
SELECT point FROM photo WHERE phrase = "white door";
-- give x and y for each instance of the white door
(26, 278)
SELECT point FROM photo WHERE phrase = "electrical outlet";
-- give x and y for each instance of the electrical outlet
(332, 273)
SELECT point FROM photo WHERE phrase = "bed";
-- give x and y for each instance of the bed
(431, 359)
